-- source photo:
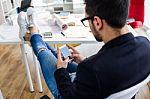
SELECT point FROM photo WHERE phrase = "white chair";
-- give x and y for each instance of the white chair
(1, 96)
(130, 92)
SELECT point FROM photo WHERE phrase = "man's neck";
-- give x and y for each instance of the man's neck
(110, 33)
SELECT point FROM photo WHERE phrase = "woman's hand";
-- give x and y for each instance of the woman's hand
(60, 62)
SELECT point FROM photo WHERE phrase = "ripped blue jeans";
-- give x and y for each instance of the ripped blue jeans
(47, 57)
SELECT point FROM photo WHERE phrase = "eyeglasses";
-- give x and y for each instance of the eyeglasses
(85, 21)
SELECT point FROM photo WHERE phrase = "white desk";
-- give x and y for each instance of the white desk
(9, 35)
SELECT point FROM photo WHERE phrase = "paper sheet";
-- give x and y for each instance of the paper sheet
(76, 32)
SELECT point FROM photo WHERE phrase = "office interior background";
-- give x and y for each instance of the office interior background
(8, 7)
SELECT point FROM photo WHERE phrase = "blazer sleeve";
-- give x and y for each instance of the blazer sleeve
(84, 86)
(64, 83)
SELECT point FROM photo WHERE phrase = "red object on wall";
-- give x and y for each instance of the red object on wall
(136, 11)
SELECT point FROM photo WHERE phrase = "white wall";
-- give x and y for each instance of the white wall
(6, 5)
(147, 13)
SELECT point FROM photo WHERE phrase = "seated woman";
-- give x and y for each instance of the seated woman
(47, 57)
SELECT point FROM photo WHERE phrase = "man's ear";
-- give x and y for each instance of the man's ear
(97, 22)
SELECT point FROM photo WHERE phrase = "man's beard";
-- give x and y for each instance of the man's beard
(96, 34)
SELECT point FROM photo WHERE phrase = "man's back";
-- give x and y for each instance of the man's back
(121, 63)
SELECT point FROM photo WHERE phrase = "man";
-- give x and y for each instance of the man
(120, 64)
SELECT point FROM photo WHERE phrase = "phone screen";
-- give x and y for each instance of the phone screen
(65, 51)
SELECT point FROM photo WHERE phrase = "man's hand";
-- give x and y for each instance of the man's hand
(75, 55)
(60, 62)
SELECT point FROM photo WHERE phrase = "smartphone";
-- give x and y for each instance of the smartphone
(65, 51)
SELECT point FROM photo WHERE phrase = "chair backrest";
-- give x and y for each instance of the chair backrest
(136, 10)
(130, 92)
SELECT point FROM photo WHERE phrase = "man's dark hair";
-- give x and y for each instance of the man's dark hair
(115, 12)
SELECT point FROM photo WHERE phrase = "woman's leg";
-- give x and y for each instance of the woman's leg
(72, 66)
(47, 57)
(47, 62)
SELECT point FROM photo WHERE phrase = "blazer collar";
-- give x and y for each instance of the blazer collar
(118, 41)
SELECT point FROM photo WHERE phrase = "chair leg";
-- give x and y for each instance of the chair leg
(24, 55)
(1, 95)
(133, 97)
(37, 72)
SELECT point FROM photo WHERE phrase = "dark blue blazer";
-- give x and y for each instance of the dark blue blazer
(121, 63)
